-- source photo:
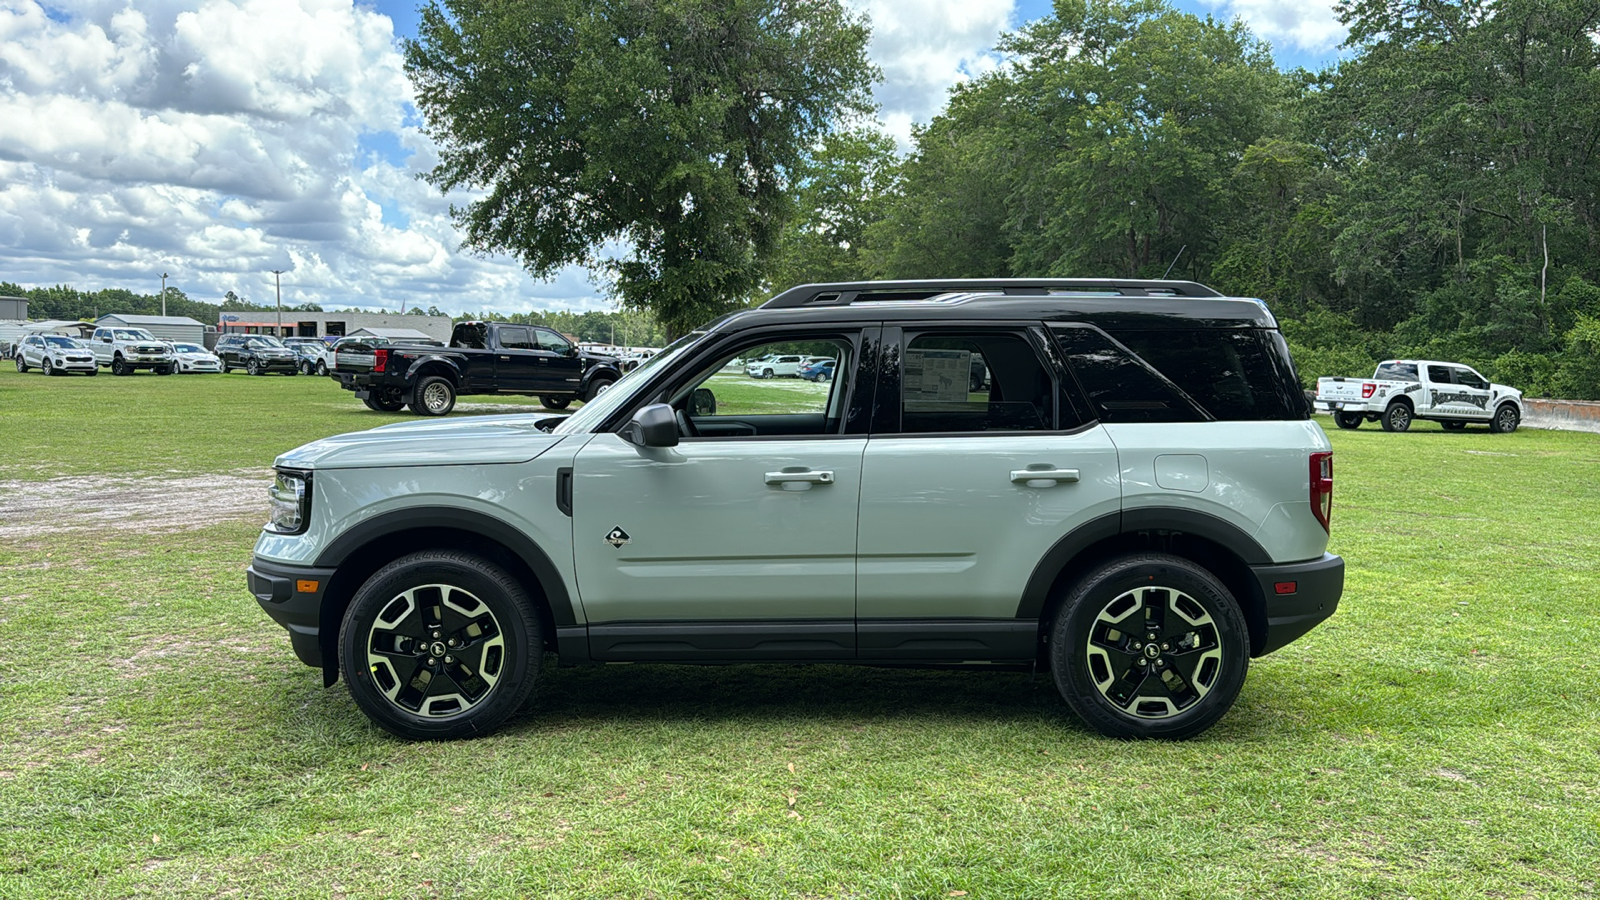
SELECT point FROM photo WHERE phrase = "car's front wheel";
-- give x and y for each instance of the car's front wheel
(439, 645)
(597, 387)
(1149, 645)
(21, 366)
(1506, 419)
(46, 368)
(118, 367)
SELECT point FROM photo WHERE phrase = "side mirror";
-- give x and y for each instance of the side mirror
(702, 402)
(654, 426)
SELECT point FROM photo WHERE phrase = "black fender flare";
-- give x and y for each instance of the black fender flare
(602, 369)
(418, 368)
(1036, 595)
(530, 553)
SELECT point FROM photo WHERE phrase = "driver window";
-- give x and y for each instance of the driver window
(549, 340)
(1470, 378)
(791, 387)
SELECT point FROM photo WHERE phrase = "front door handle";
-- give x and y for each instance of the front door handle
(823, 477)
(1057, 476)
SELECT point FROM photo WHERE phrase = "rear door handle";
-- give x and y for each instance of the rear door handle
(823, 477)
(1059, 476)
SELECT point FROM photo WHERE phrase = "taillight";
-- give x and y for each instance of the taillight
(1367, 389)
(1322, 488)
(380, 359)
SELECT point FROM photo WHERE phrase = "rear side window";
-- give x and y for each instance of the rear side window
(514, 338)
(1229, 372)
(1394, 371)
(961, 381)
(1439, 375)
(1120, 386)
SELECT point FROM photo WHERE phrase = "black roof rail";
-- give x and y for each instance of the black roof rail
(846, 293)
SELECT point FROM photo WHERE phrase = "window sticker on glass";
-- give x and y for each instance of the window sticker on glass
(937, 375)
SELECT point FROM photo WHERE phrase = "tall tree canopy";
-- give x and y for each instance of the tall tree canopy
(667, 128)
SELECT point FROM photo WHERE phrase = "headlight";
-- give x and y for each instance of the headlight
(290, 497)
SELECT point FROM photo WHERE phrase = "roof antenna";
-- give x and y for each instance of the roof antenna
(1174, 262)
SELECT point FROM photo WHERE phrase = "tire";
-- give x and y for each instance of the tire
(1397, 417)
(305, 367)
(226, 368)
(766, 373)
(597, 387)
(22, 367)
(1506, 419)
(1453, 426)
(381, 405)
(254, 367)
(322, 367)
(118, 367)
(433, 395)
(1347, 420)
(555, 402)
(166, 370)
(94, 371)
(1108, 682)
(46, 368)
(419, 611)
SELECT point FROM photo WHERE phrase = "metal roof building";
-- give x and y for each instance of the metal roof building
(168, 328)
(331, 324)
(393, 334)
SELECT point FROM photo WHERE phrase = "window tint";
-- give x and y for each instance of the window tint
(1396, 371)
(727, 401)
(1470, 379)
(1439, 375)
(1121, 388)
(549, 340)
(514, 338)
(1229, 372)
(974, 381)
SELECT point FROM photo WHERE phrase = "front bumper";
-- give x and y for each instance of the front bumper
(275, 365)
(68, 365)
(199, 366)
(145, 362)
(1299, 596)
(292, 596)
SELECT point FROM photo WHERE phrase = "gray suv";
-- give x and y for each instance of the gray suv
(1134, 498)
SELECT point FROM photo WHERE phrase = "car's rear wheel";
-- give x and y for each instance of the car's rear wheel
(1397, 417)
(434, 395)
(439, 645)
(1506, 419)
(1149, 645)
(555, 402)
(1347, 419)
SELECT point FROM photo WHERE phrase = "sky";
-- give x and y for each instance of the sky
(217, 140)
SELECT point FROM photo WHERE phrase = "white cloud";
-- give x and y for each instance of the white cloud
(219, 139)
(1307, 25)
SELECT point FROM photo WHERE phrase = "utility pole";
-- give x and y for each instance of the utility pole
(278, 286)
(163, 293)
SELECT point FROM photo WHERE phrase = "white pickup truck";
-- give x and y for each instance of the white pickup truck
(1403, 390)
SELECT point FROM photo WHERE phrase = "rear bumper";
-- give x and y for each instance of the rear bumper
(1298, 597)
(292, 596)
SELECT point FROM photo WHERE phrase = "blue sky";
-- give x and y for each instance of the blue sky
(216, 140)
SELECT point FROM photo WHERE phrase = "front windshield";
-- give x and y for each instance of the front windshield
(66, 342)
(188, 348)
(133, 334)
(257, 343)
(591, 414)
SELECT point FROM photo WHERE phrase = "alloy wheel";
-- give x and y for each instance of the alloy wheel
(1154, 652)
(435, 650)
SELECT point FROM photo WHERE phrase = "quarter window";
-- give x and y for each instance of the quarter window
(1121, 387)
(1229, 372)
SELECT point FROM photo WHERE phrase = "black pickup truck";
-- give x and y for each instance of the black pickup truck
(483, 358)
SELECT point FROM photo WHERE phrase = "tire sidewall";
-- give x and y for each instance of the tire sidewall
(511, 605)
(420, 406)
(1397, 417)
(1083, 604)
(1516, 419)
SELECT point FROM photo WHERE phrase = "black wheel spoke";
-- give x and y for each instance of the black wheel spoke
(1129, 685)
(1155, 603)
(436, 650)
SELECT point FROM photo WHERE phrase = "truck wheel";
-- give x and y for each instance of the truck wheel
(1397, 417)
(434, 395)
(1149, 645)
(439, 645)
(118, 367)
(555, 402)
(384, 404)
(1506, 419)
(597, 387)
(1453, 426)
(166, 370)
(1347, 420)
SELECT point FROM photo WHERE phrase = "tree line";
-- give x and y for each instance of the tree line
(1435, 194)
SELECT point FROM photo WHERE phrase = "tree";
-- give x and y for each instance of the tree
(839, 191)
(668, 127)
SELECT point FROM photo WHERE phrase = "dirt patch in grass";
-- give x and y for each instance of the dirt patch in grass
(85, 503)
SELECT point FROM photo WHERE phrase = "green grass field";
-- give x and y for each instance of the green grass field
(1439, 737)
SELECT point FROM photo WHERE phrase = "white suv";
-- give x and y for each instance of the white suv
(1135, 498)
(55, 354)
(786, 365)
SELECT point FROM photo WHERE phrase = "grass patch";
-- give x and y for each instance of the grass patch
(1436, 738)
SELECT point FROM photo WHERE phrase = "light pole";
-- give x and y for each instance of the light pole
(163, 293)
(278, 286)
